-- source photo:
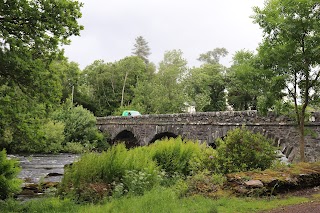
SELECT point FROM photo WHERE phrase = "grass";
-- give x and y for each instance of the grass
(45, 205)
(157, 200)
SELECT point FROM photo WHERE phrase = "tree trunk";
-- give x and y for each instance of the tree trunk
(302, 142)
(124, 85)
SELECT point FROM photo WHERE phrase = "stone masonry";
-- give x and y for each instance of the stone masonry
(208, 126)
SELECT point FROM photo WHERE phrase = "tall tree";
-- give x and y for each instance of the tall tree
(291, 48)
(141, 49)
(213, 56)
(31, 33)
(105, 87)
(250, 86)
(164, 92)
(205, 87)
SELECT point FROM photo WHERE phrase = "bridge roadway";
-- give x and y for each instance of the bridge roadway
(208, 126)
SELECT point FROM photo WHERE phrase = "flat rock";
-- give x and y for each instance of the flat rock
(253, 184)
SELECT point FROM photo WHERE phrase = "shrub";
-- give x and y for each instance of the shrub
(73, 148)
(243, 150)
(174, 155)
(54, 137)
(109, 169)
(137, 182)
(80, 125)
(9, 169)
(205, 183)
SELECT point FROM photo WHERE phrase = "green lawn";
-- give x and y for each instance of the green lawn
(157, 200)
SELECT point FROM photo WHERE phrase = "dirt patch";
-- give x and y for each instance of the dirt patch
(312, 206)
(309, 207)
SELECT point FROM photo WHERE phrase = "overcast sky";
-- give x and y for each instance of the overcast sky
(193, 26)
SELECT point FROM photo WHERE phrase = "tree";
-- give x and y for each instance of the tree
(205, 87)
(105, 87)
(213, 56)
(291, 48)
(163, 91)
(141, 49)
(31, 33)
(250, 86)
(69, 73)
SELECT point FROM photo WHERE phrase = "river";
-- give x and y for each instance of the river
(43, 167)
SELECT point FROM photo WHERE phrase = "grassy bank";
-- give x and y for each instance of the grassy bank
(157, 200)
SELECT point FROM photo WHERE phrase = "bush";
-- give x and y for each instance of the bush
(9, 169)
(103, 174)
(174, 155)
(54, 137)
(74, 148)
(80, 126)
(204, 183)
(243, 150)
(137, 182)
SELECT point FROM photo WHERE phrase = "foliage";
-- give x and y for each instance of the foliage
(157, 200)
(290, 48)
(243, 150)
(69, 74)
(21, 121)
(54, 137)
(31, 33)
(116, 165)
(105, 87)
(176, 156)
(252, 87)
(9, 183)
(204, 183)
(74, 147)
(141, 49)
(137, 182)
(163, 93)
(213, 57)
(205, 86)
(80, 125)
(133, 171)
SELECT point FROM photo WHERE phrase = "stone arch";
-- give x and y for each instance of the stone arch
(162, 135)
(219, 133)
(126, 136)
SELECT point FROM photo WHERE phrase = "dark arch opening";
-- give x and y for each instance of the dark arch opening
(126, 137)
(215, 143)
(162, 136)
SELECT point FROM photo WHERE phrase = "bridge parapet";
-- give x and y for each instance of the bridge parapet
(222, 118)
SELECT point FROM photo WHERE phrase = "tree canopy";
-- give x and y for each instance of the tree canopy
(31, 33)
(141, 49)
(291, 48)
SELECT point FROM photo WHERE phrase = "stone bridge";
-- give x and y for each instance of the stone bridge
(208, 126)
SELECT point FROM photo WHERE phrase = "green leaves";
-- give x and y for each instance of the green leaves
(31, 33)
(243, 150)
(205, 87)
(141, 49)
(9, 169)
(290, 48)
